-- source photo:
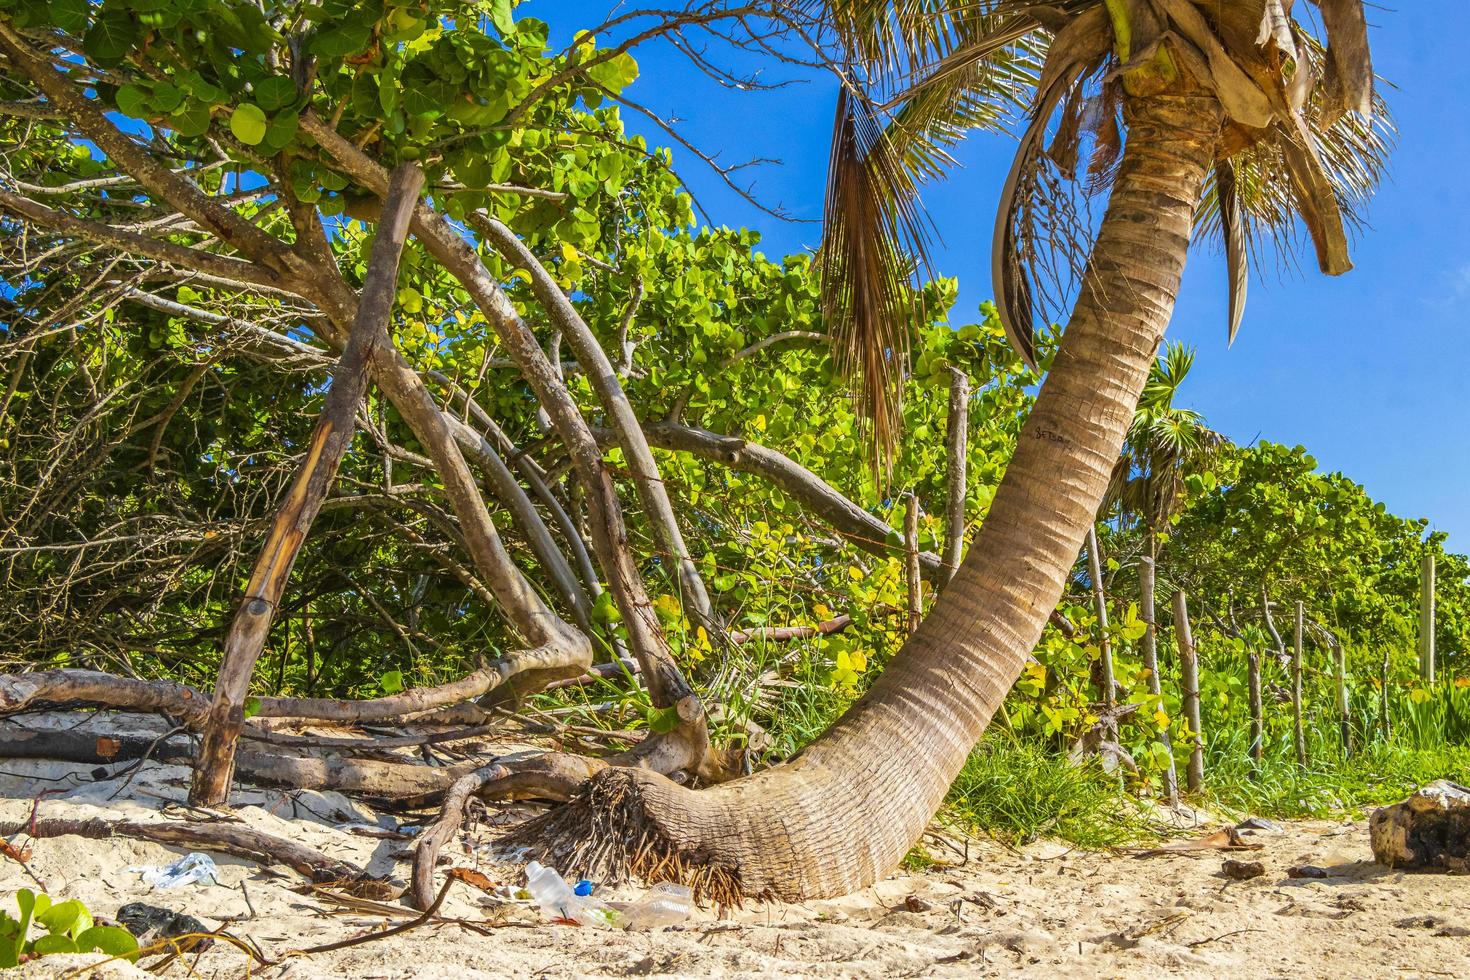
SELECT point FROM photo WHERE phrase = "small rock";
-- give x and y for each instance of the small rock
(916, 904)
(1238, 870)
(1307, 871)
(1259, 823)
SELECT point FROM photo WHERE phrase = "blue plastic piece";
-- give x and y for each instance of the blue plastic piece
(583, 888)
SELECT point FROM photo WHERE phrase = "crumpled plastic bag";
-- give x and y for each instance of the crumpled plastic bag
(186, 870)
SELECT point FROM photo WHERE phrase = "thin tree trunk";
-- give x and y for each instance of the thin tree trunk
(1385, 722)
(329, 444)
(604, 378)
(1189, 674)
(1146, 586)
(1299, 736)
(505, 487)
(848, 808)
(1282, 657)
(914, 584)
(1106, 688)
(957, 445)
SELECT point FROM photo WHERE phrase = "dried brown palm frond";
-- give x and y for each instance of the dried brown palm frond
(876, 235)
(873, 235)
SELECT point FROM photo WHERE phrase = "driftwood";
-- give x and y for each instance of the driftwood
(333, 770)
(227, 838)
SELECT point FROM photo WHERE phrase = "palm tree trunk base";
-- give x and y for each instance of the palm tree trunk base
(608, 832)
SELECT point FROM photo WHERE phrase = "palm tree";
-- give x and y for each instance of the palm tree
(1165, 445)
(1225, 117)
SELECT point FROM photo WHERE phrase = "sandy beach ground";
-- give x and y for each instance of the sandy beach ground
(1042, 910)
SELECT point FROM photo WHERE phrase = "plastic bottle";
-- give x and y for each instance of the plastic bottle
(665, 904)
(558, 901)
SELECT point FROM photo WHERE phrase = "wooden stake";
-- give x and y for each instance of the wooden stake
(957, 443)
(1298, 734)
(1258, 719)
(1344, 719)
(329, 443)
(911, 561)
(1106, 687)
(1151, 663)
(1384, 722)
(1189, 675)
(1426, 619)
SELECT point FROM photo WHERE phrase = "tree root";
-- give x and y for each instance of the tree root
(606, 832)
(553, 776)
(679, 756)
(225, 838)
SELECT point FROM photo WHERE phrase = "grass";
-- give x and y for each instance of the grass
(1378, 775)
(1018, 792)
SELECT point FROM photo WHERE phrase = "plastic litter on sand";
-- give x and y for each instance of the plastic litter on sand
(186, 870)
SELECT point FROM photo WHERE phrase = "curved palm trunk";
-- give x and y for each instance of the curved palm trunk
(847, 809)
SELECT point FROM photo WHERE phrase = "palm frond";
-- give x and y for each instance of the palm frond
(1352, 149)
(875, 234)
(1232, 228)
(1040, 243)
(874, 237)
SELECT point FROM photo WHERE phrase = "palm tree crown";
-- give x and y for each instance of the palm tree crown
(1304, 144)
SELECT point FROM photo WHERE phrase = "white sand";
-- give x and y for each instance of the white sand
(1045, 911)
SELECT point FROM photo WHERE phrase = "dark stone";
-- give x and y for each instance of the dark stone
(1242, 870)
(150, 923)
(1307, 871)
(1428, 831)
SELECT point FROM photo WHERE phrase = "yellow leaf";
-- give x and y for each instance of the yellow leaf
(854, 573)
(821, 611)
(569, 252)
(1161, 719)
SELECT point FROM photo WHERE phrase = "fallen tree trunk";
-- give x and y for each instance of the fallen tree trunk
(227, 838)
(47, 688)
(338, 771)
(52, 688)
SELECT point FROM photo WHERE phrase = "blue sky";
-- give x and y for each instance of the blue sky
(1369, 370)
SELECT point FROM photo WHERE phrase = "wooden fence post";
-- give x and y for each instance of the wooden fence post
(957, 444)
(1258, 718)
(1189, 672)
(1146, 587)
(1100, 603)
(1298, 732)
(1384, 722)
(911, 561)
(1426, 619)
(1344, 719)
